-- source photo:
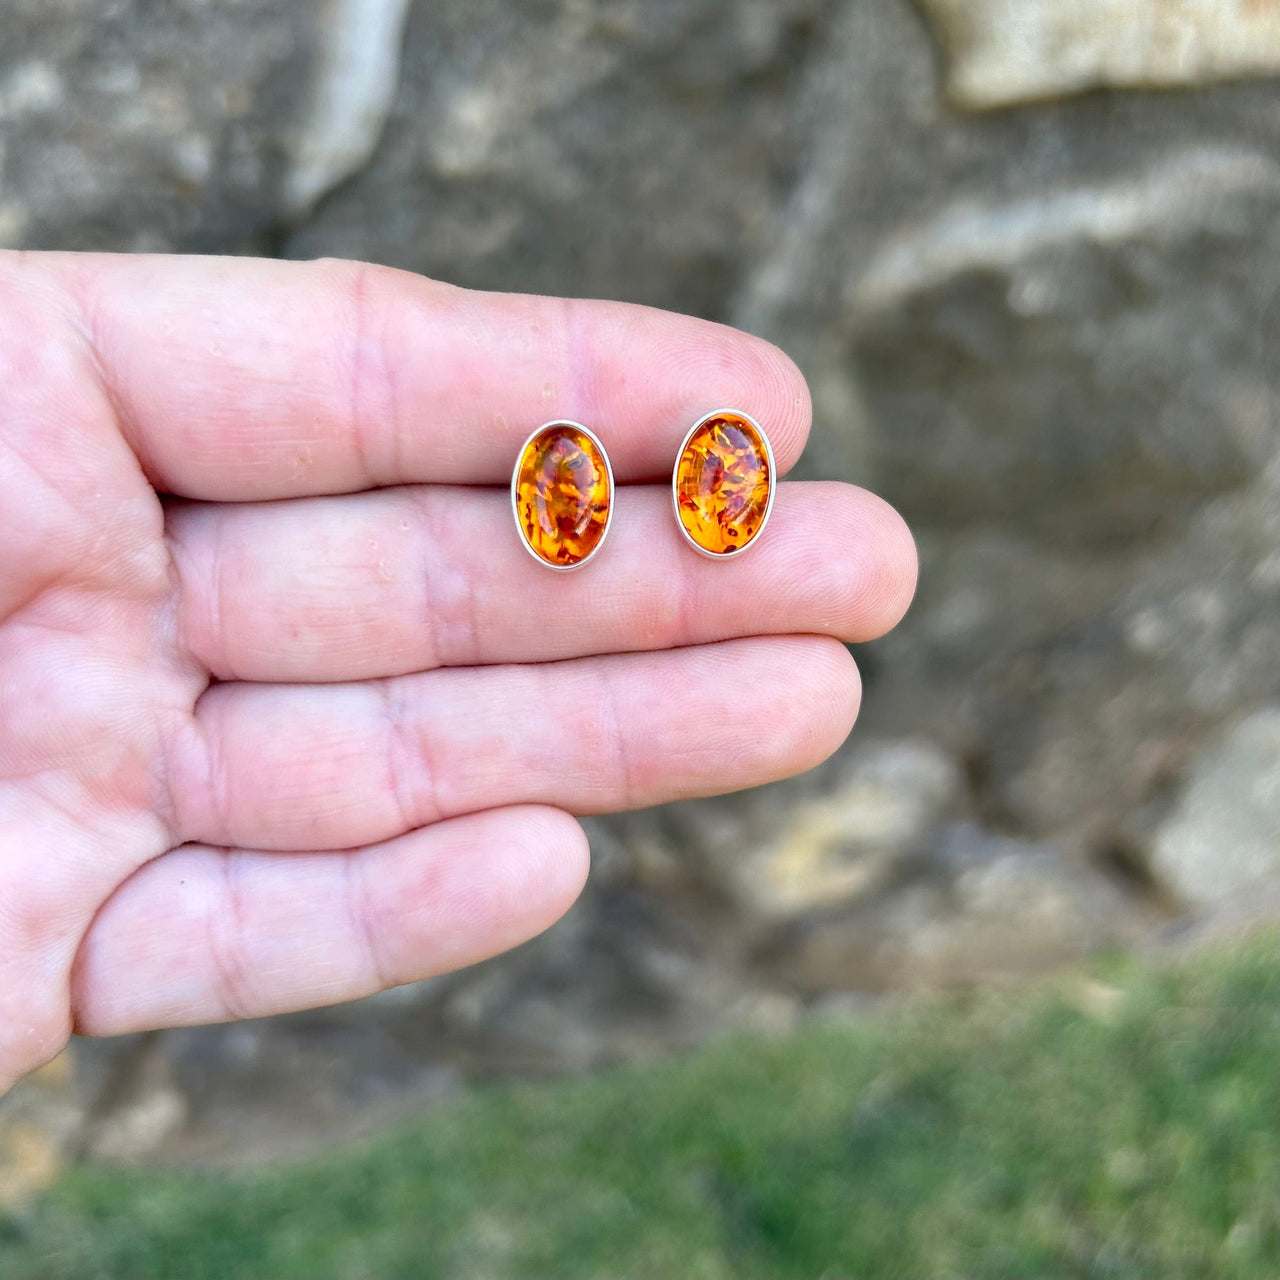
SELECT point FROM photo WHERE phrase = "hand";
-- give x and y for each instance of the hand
(287, 714)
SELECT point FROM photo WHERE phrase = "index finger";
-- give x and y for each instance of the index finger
(244, 379)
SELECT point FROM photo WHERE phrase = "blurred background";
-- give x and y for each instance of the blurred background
(1028, 256)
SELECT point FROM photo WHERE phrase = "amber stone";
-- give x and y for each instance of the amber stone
(562, 495)
(723, 483)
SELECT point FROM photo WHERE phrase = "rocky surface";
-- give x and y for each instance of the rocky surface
(999, 53)
(1048, 333)
(1223, 835)
(979, 900)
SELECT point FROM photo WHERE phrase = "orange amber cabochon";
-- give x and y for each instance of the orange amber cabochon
(562, 494)
(723, 483)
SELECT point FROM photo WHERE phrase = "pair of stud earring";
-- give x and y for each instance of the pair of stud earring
(722, 489)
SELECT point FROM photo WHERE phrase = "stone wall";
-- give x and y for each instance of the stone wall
(1032, 273)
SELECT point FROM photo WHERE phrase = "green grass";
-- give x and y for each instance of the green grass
(996, 1135)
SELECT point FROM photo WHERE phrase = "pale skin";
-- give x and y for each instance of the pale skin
(287, 714)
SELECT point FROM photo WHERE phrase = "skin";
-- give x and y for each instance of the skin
(287, 714)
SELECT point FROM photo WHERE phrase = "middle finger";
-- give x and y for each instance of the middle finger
(402, 580)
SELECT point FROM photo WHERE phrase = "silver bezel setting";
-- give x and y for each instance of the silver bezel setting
(515, 480)
(720, 556)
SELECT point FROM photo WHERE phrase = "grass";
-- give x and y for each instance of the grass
(1120, 1124)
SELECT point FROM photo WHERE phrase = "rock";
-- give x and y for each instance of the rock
(1097, 1000)
(580, 148)
(267, 1089)
(128, 126)
(142, 1127)
(1081, 362)
(350, 98)
(624, 973)
(878, 810)
(770, 1013)
(40, 1120)
(1081, 705)
(1250, 909)
(200, 128)
(1000, 53)
(1071, 404)
(134, 1105)
(992, 909)
(30, 1162)
(1223, 834)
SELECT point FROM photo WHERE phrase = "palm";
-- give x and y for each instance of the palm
(316, 726)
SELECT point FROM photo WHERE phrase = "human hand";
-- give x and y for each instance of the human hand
(313, 723)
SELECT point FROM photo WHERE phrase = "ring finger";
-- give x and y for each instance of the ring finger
(333, 766)
(402, 580)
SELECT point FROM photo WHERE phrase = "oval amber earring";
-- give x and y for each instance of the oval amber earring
(562, 494)
(723, 483)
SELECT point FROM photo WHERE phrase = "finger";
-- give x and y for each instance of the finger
(409, 579)
(330, 766)
(237, 378)
(204, 935)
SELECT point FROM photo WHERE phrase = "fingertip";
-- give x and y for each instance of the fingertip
(891, 569)
(515, 872)
(838, 694)
(810, 703)
(556, 842)
(846, 553)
